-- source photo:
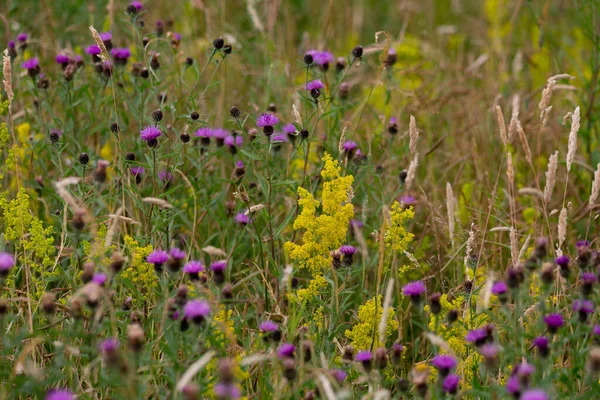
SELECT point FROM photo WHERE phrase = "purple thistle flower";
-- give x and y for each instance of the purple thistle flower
(109, 346)
(93, 50)
(477, 336)
(584, 308)
(281, 138)
(165, 177)
(562, 261)
(450, 384)
(355, 223)
(314, 85)
(414, 290)
(229, 391)
(106, 36)
(406, 200)
(99, 279)
(513, 386)
(321, 58)
(7, 262)
(239, 164)
(541, 343)
(135, 171)
(489, 351)
(62, 59)
(349, 146)
(393, 120)
(242, 219)
(347, 249)
(157, 257)
(553, 322)
(588, 278)
(218, 266)
(289, 128)
(177, 253)
(499, 288)
(268, 326)
(31, 64)
(338, 374)
(444, 363)
(363, 356)
(196, 310)
(596, 330)
(22, 37)
(286, 350)
(582, 243)
(137, 4)
(266, 119)
(150, 133)
(193, 267)
(59, 394)
(121, 55)
(233, 140)
(534, 394)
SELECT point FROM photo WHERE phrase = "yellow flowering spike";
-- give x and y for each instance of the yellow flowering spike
(316, 286)
(396, 236)
(325, 232)
(365, 330)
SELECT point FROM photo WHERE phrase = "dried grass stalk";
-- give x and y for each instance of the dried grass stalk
(512, 128)
(524, 141)
(562, 227)
(501, 125)
(514, 246)
(450, 207)
(387, 302)
(595, 188)
(412, 170)
(413, 134)
(7, 81)
(99, 42)
(550, 177)
(544, 105)
(575, 120)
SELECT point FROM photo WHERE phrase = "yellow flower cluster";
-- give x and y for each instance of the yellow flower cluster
(223, 326)
(365, 331)
(325, 232)
(139, 272)
(315, 287)
(396, 236)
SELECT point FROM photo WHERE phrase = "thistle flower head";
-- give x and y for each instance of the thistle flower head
(59, 394)
(106, 36)
(157, 257)
(321, 57)
(193, 267)
(347, 249)
(349, 146)
(412, 289)
(554, 321)
(268, 326)
(314, 85)
(562, 261)
(583, 306)
(109, 345)
(242, 219)
(499, 288)
(450, 384)
(218, 266)
(444, 362)
(289, 128)
(196, 310)
(204, 132)
(286, 350)
(7, 261)
(99, 279)
(62, 59)
(93, 50)
(135, 171)
(476, 335)
(364, 356)
(31, 64)
(266, 119)
(150, 133)
(534, 394)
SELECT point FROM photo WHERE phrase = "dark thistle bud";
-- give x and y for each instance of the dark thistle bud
(304, 133)
(340, 64)
(144, 73)
(157, 115)
(452, 316)
(541, 248)
(79, 219)
(348, 353)
(218, 43)
(268, 130)
(152, 143)
(514, 277)
(306, 349)
(154, 62)
(54, 136)
(135, 337)
(84, 158)
(132, 10)
(227, 291)
(189, 61)
(114, 128)
(289, 369)
(357, 52)
(194, 116)
(88, 272)
(309, 395)
(235, 112)
(336, 259)
(563, 265)
(191, 391)
(434, 303)
(130, 157)
(227, 49)
(344, 90)
(584, 255)
(547, 273)
(100, 172)
(308, 59)
(43, 82)
(272, 108)
(145, 41)
(594, 360)
(381, 358)
(48, 303)
(127, 304)
(184, 137)
(116, 262)
(397, 350)
(403, 174)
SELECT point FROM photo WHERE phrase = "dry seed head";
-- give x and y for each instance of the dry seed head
(450, 206)
(550, 176)
(412, 170)
(342, 141)
(562, 227)
(575, 119)
(387, 302)
(514, 246)
(512, 128)
(501, 125)
(99, 42)
(7, 73)
(544, 105)
(413, 134)
(595, 187)
(524, 142)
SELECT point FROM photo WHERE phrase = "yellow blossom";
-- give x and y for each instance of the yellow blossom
(364, 332)
(396, 236)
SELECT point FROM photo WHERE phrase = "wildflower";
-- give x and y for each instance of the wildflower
(99, 279)
(321, 58)
(226, 391)
(477, 336)
(88, 272)
(584, 308)
(314, 87)
(240, 170)
(150, 135)
(232, 142)
(218, 269)
(338, 374)
(266, 121)
(513, 386)
(489, 351)
(12, 52)
(286, 350)
(157, 115)
(137, 172)
(434, 303)
(304, 133)
(176, 257)
(271, 331)
(499, 288)
(547, 273)
(414, 290)
(541, 343)
(397, 350)
(197, 311)
(348, 252)
(563, 264)
(588, 279)
(420, 375)
(158, 258)
(22, 37)
(594, 360)
(218, 43)
(116, 262)
(7, 262)
(350, 148)
(391, 58)
(514, 277)
(534, 394)
(48, 303)
(193, 269)
(120, 55)
(94, 51)
(242, 219)
(553, 322)
(165, 177)
(308, 59)
(135, 6)
(109, 349)
(59, 394)
(407, 201)
(392, 126)
(32, 66)
(220, 135)
(396, 236)
(365, 358)
(135, 337)
(340, 64)
(348, 353)
(444, 363)
(62, 59)
(450, 384)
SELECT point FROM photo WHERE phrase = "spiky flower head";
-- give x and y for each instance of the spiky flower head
(150, 133)
(266, 119)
